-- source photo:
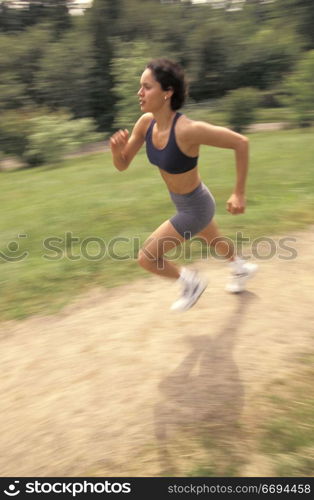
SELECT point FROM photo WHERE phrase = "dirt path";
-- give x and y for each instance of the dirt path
(101, 387)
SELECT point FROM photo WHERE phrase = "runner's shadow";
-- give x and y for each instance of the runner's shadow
(205, 392)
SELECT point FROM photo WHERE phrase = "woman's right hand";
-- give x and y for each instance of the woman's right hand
(118, 141)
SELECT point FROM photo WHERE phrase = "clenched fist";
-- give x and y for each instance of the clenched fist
(118, 141)
(236, 204)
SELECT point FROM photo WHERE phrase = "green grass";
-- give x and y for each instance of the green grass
(287, 434)
(281, 434)
(88, 198)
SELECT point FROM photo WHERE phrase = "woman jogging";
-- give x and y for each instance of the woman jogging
(172, 144)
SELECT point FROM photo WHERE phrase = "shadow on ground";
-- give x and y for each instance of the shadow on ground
(204, 394)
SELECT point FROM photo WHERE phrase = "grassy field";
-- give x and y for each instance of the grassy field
(281, 433)
(68, 220)
(287, 433)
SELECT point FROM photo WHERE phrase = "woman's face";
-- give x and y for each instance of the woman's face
(151, 96)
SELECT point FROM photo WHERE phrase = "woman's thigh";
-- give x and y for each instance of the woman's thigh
(210, 233)
(161, 241)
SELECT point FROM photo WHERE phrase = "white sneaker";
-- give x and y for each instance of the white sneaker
(241, 272)
(192, 291)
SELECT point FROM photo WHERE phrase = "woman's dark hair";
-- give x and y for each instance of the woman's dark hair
(170, 75)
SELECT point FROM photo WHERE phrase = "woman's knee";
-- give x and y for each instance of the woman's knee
(145, 259)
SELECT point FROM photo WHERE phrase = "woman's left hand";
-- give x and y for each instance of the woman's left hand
(236, 204)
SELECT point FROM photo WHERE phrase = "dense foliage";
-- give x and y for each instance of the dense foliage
(90, 65)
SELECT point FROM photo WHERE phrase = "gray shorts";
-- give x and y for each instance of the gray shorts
(195, 210)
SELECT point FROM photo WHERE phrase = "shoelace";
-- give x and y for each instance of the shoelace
(190, 288)
(240, 275)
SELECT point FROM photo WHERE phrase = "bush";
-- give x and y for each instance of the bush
(241, 105)
(38, 138)
(55, 135)
(13, 133)
(270, 99)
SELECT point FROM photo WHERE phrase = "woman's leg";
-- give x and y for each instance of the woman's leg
(151, 257)
(241, 270)
(161, 241)
(212, 236)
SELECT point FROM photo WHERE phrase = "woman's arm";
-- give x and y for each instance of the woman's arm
(221, 137)
(123, 147)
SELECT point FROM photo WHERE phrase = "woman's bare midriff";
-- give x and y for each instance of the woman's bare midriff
(181, 183)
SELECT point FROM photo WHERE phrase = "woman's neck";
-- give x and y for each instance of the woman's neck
(164, 118)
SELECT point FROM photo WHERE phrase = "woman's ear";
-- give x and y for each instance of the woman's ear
(169, 92)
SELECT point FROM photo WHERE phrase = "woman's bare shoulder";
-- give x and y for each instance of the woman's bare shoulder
(142, 124)
(145, 118)
(188, 123)
(195, 127)
(185, 126)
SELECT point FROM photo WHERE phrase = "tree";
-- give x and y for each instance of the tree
(266, 59)
(126, 73)
(63, 78)
(208, 67)
(20, 55)
(32, 45)
(101, 18)
(300, 88)
(12, 90)
(300, 14)
(53, 11)
(11, 20)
